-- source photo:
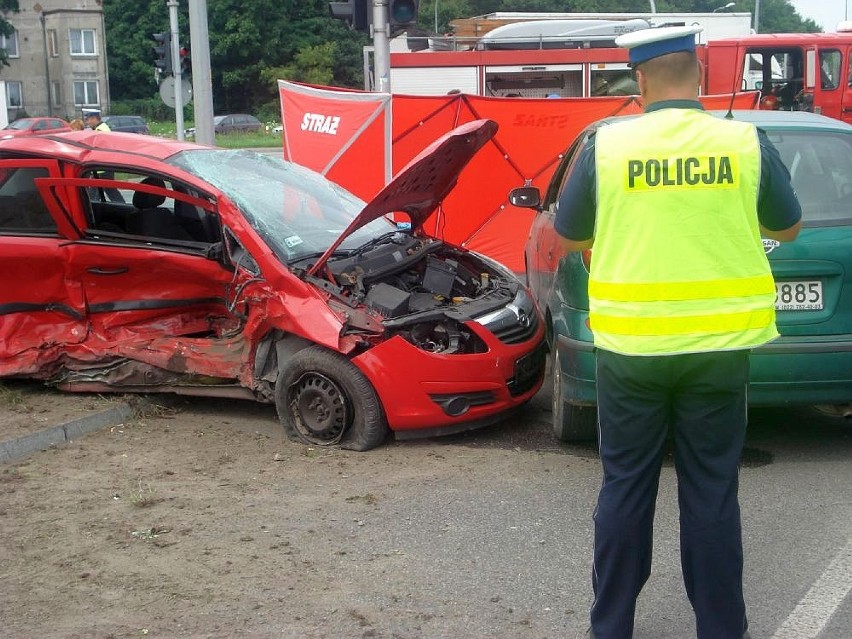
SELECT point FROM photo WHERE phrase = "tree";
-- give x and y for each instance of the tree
(247, 38)
(252, 40)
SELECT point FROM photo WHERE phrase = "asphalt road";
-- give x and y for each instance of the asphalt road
(521, 540)
(475, 536)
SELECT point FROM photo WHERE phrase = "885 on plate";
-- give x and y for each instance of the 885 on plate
(798, 295)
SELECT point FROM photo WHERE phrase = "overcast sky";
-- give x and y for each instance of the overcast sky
(824, 12)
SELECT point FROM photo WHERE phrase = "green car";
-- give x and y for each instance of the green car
(810, 364)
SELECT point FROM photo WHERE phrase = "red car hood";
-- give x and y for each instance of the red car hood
(419, 187)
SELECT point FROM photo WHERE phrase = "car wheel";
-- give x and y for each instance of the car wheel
(323, 399)
(571, 423)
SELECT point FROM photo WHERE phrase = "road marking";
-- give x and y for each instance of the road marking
(813, 612)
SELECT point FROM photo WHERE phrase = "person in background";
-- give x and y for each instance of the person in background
(77, 124)
(674, 203)
(92, 119)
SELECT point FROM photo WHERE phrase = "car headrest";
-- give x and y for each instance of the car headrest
(142, 200)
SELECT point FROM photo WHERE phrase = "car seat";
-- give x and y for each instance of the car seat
(151, 219)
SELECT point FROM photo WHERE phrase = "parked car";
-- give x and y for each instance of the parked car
(34, 126)
(236, 123)
(166, 266)
(126, 123)
(809, 363)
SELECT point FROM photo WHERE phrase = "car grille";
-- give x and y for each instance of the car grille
(514, 323)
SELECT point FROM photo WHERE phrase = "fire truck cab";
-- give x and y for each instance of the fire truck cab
(793, 71)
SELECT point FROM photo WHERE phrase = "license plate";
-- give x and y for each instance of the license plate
(798, 295)
(527, 370)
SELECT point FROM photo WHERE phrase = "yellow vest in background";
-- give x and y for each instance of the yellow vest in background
(678, 263)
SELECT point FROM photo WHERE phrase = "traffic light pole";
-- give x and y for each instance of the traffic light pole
(202, 83)
(381, 46)
(176, 66)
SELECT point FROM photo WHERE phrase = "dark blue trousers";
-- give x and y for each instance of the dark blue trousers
(700, 401)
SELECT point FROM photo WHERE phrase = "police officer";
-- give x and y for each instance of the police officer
(92, 119)
(674, 202)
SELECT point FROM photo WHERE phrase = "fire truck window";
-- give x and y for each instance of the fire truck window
(829, 69)
(613, 82)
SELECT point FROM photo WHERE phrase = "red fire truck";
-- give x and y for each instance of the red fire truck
(792, 71)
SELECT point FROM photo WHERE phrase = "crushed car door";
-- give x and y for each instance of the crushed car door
(42, 311)
(156, 288)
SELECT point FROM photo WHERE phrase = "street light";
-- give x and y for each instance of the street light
(730, 5)
(653, 7)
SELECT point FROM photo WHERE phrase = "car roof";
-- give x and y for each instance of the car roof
(760, 118)
(786, 119)
(75, 146)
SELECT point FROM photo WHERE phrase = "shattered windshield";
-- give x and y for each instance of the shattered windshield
(296, 211)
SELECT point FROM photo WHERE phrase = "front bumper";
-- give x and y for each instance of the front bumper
(426, 393)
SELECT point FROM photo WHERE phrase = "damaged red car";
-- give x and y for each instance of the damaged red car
(136, 264)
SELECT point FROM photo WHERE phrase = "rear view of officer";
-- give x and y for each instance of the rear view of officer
(674, 203)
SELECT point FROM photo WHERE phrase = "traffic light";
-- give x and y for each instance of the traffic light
(402, 15)
(357, 13)
(185, 62)
(163, 51)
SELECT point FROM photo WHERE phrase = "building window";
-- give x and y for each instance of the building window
(10, 43)
(52, 43)
(86, 93)
(82, 41)
(56, 93)
(14, 94)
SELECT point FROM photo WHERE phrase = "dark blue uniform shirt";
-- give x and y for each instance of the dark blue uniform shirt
(777, 205)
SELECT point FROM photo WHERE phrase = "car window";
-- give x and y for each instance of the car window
(820, 165)
(20, 125)
(22, 209)
(151, 216)
(294, 210)
(564, 170)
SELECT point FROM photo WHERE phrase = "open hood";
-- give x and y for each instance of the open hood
(424, 182)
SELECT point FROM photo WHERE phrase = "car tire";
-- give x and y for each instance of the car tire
(571, 423)
(323, 399)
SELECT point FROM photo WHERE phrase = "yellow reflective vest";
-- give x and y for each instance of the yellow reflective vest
(678, 263)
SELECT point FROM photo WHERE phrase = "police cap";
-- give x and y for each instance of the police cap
(646, 44)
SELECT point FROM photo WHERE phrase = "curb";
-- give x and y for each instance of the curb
(15, 449)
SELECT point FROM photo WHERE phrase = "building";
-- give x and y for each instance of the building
(57, 59)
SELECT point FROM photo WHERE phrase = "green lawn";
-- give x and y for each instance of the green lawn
(261, 138)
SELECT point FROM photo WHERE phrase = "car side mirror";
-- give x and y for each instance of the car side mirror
(526, 197)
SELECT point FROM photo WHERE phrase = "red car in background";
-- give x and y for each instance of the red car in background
(137, 264)
(34, 126)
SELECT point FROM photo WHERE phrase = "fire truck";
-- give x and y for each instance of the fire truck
(793, 71)
(577, 57)
(508, 54)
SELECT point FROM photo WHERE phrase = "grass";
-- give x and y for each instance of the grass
(144, 496)
(259, 139)
(10, 397)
